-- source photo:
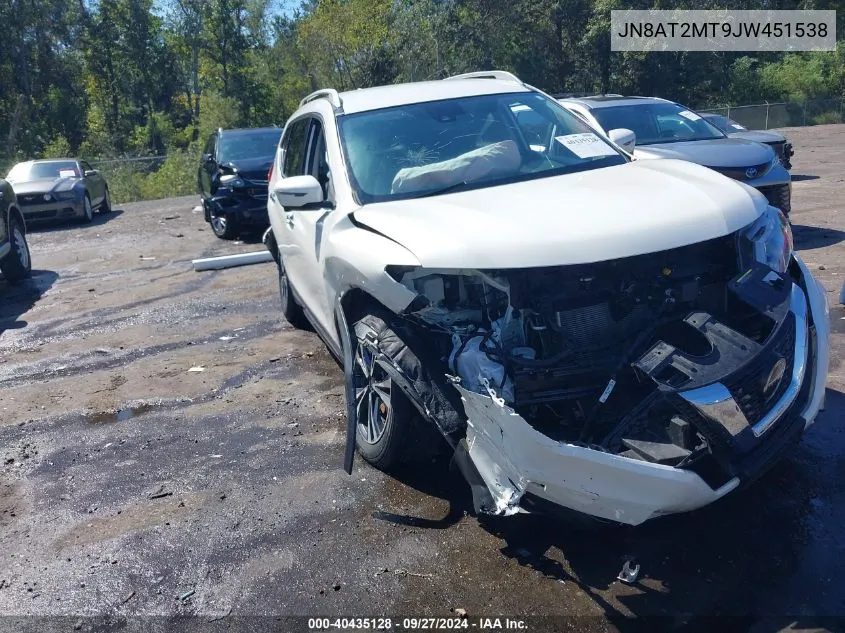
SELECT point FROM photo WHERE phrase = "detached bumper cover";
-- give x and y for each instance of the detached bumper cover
(513, 459)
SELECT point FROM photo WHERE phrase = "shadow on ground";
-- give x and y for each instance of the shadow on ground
(812, 237)
(759, 555)
(50, 226)
(19, 299)
(800, 177)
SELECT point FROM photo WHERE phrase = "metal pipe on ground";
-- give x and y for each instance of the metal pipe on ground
(230, 261)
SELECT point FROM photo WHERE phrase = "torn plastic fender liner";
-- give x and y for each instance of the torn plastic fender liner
(514, 459)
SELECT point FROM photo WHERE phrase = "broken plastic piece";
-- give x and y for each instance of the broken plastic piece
(629, 573)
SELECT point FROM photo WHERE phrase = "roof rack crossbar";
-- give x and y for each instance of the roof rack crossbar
(326, 93)
(488, 74)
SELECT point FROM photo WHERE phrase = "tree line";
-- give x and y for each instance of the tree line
(107, 78)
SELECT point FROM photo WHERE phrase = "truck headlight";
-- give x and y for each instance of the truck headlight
(768, 240)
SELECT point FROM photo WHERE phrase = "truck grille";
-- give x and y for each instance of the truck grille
(744, 173)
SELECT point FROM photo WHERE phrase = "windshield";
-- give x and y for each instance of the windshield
(23, 172)
(657, 122)
(724, 123)
(234, 147)
(429, 148)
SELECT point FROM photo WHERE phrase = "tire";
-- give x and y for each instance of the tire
(88, 211)
(17, 265)
(387, 421)
(224, 227)
(206, 212)
(292, 311)
(105, 205)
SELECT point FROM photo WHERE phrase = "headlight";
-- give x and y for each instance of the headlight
(48, 197)
(768, 240)
(232, 180)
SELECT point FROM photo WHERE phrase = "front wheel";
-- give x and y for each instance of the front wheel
(386, 420)
(16, 265)
(223, 227)
(87, 210)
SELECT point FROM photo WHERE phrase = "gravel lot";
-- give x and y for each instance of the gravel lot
(138, 491)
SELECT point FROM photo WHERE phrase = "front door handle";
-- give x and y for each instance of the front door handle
(289, 220)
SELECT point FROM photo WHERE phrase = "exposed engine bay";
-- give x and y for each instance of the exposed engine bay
(600, 355)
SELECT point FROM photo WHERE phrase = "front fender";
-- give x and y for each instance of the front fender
(356, 257)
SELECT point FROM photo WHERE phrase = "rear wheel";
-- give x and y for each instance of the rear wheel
(292, 311)
(16, 265)
(105, 205)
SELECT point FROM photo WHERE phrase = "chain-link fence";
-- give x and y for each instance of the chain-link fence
(150, 177)
(763, 116)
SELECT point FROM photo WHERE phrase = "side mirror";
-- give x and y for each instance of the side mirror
(298, 191)
(207, 159)
(624, 138)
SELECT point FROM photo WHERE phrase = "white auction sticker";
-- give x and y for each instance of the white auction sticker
(692, 116)
(737, 126)
(586, 145)
(67, 173)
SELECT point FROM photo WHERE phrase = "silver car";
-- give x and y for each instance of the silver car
(656, 128)
(778, 142)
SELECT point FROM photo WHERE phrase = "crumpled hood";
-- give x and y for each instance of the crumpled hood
(46, 185)
(253, 168)
(602, 214)
(721, 152)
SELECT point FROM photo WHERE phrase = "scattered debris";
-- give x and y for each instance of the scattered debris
(226, 338)
(402, 572)
(461, 613)
(230, 261)
(196, 369)
(629, 572)
(187, 595)
(842, 294)
(128, 598)
(161, 492)
(146, 259)
(336, 586)
(174, 217)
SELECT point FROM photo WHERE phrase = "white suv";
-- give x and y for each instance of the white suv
(625, 339)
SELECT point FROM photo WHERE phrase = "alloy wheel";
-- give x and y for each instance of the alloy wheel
(373, 387)
(21, 246)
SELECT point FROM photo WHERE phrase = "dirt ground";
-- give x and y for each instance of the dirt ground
(138, 491)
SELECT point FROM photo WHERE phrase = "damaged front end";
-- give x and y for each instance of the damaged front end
(631, 388)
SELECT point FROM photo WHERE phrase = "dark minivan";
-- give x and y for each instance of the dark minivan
(232, 179)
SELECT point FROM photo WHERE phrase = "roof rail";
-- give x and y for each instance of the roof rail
(325, 93)
(488, 74)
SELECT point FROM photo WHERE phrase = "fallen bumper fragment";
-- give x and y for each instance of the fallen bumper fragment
(231, 261)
